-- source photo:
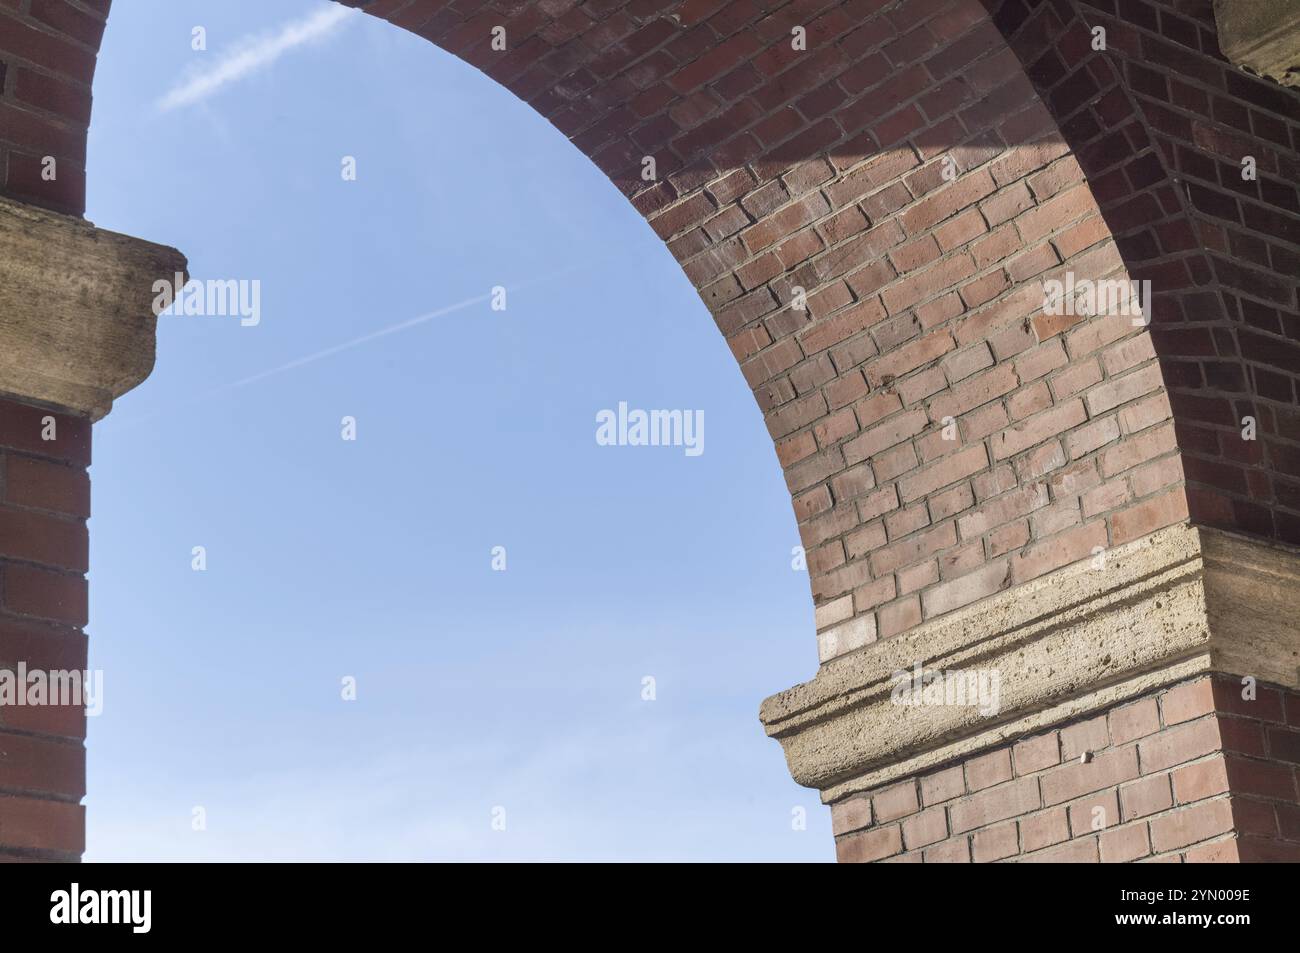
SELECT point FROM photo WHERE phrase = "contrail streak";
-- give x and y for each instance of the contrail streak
(252, 53)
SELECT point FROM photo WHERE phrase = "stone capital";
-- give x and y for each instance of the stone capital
(76, 309)
(1170, 606)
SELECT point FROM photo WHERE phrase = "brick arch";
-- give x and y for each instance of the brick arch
(820, 174)
(822, 171)
(787, 174)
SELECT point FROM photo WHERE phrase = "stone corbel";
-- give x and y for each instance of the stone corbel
(76, 309)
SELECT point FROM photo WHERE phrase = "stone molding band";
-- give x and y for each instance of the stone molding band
(1183, 601)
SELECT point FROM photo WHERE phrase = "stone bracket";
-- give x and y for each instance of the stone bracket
(76, 309)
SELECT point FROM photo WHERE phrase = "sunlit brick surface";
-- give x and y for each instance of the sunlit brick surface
(1193, 773)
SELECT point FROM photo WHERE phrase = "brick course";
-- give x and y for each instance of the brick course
(44, 503)
(1186, 774)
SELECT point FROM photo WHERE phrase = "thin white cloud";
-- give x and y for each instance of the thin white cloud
(355, 342)
(312, 358)
(251, 53)
(324, 353)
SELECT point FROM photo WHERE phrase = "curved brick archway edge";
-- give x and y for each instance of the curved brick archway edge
(1065, 499)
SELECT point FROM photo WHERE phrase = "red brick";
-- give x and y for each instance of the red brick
(1058, 551)
(1264, 778)
(685, 214)
(1146, 446)
(966, 589)
(955, 850)
(960, 230)
(1179, 744)
(850, 814)
(989, 769)
(1034, 754)
(899, 616)
(1121, 390)
(1085, 736)
(49, 49)
(1124, 844)
(46, 595)
(1217, 852)
(995, 804)
(31, 824)
(1092, 436)
(913, 549)
(942, 786)
(43, 485)
(1189, 701)
(1265, 705)
(1105, 770)
(1002, 510)
(948, 470)
(1148, 516)
(914, 254)
(1004, 539)
(974, 392)
(22, 427)
(896, 801)
(1053, 214)
(1037, 429)
(841, 326)
(42, 765)
(1044, 829)
(68, 20)
(925, 828)
(1081, 851)
(995, 843)
(1242, 736)
(922, 285)
(1079, 376)
(1201, 779)
(885, 435)
(1094, 812)
(58, 96)
(712, 65)
(869, 845)
(1134, 721)
(1195, 823)
(1146, 796)
(944, 204)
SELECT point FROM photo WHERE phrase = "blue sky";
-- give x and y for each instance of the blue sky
(327, 558)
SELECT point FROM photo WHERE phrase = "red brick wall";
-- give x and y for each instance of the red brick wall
(1191, 773)
(47, 62)
(1161, 124)
(44, 503)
